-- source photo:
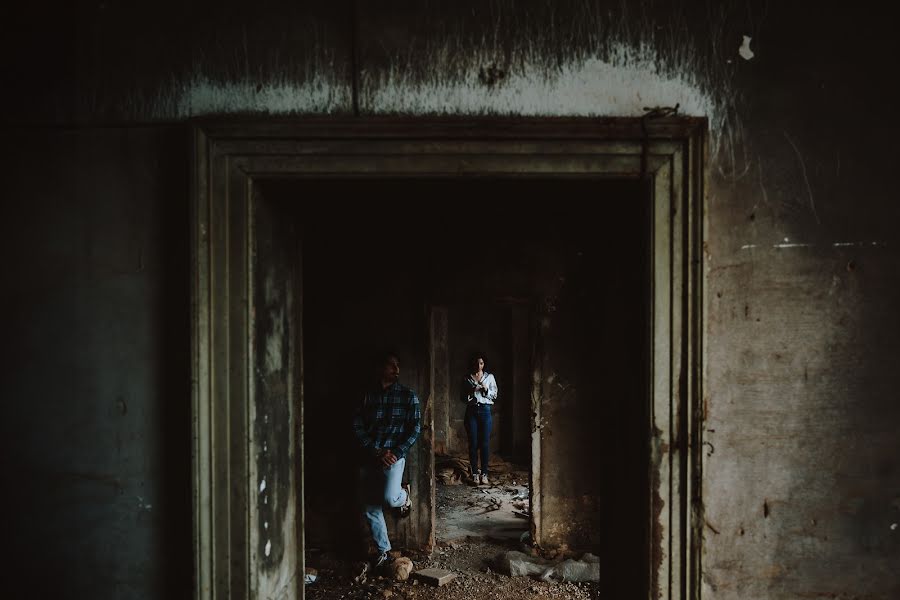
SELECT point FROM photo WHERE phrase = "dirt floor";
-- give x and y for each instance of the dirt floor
(498, 511)
(477, 578)
(476, 526)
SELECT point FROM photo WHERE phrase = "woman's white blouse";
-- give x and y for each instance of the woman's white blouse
(484, 396)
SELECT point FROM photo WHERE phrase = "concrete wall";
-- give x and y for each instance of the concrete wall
(801, 495)
(97, 437)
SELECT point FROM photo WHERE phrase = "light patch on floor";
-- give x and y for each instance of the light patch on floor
(467, 512)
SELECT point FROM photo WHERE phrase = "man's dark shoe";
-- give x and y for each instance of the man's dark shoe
(407, 507)
(382, 560)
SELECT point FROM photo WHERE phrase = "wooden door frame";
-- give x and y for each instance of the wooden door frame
(230, 157)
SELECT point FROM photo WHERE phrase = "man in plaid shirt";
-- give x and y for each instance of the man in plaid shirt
(387, 423)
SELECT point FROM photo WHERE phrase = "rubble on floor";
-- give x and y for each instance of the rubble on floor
(476, 528)
(520, 564)
(435, 577)
(478, 576)
(499, 510)
(401, 569)
(454, 470)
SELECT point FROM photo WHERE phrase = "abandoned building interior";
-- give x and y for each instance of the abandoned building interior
(445, 291)
(670, 228)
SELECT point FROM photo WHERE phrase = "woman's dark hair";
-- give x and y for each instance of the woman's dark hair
(475, 356)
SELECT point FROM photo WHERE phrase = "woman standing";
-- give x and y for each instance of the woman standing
(480, 388)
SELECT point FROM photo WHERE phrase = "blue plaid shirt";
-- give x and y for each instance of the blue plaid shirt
(389, 418)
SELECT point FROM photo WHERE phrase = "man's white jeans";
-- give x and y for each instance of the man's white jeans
(382, 487)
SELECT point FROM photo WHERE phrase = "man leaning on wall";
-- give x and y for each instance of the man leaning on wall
(387, 423)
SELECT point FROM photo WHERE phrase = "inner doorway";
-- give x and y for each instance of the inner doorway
(522, 270)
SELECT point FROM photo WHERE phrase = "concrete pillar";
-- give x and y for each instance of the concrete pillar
(440, 378)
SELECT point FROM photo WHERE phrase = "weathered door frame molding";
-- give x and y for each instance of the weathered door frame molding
(230, 156)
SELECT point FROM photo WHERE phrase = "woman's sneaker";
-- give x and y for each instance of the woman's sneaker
(484, 479)
(474, 479)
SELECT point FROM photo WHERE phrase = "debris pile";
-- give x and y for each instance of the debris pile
(519, 564)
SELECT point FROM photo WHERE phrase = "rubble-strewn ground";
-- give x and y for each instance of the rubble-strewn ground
(475, 526)
(498, 511)
(477, 579)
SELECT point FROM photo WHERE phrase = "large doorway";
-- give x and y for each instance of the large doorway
(592, 292)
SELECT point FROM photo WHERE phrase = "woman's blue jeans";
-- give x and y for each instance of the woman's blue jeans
(478, 426)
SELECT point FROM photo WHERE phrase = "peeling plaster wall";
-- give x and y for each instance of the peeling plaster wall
(275, 388)
(800, 485)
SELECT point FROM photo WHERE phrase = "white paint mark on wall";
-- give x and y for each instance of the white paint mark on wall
(786, 244)
(265, 524)
(268, 547)
(792, 246)
(262, 486)
(858, 244)
(745, 51)
(893, 526)
(142, 505)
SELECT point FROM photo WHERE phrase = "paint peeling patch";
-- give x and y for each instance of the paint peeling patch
(893, 527)
(200, 95)
(589, 87)
(745, 51)
(268, 547)
(274, 342)
(262, 486)
(618, 79)
(618, 69)
(622, 86)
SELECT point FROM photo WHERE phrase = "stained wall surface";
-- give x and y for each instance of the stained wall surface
(800, 478)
